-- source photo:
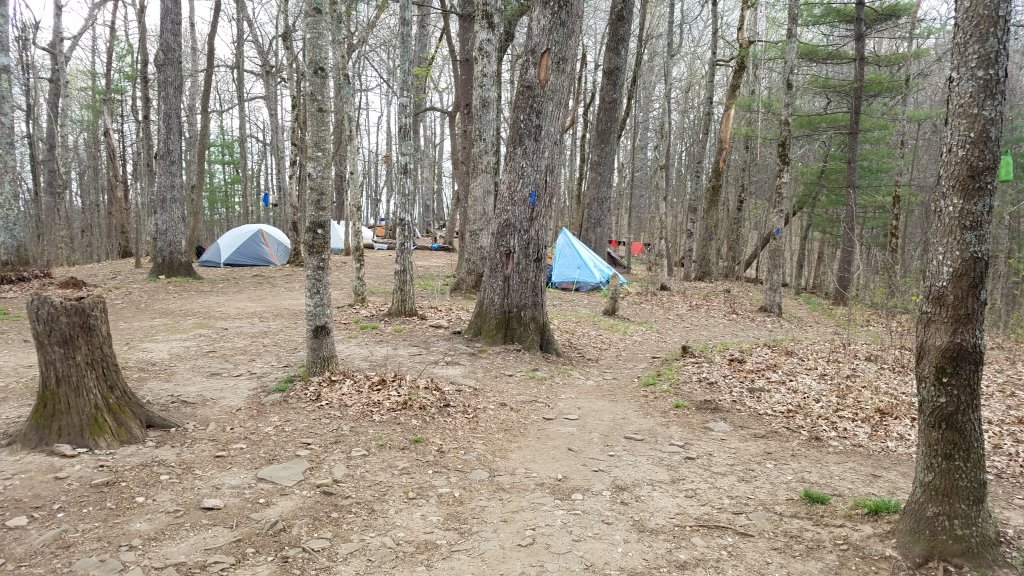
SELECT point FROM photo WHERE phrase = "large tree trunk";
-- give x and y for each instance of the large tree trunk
(118, 185)
(597, 207)
(321, 356)
(848, 249)
(403, 301)
(145, 120)
(484, 162)
(780, 197)
(700, 148)
(664, 185)
(947, 515)
(170, 259)
(510, 308)
(83, 399)
(203, 139)
(708, 245)
(10, 218)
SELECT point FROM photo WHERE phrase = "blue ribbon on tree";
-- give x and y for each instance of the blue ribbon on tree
(533, 197)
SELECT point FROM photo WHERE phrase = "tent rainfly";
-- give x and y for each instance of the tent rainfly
(339, 229)
(249, 245)
(576, 267)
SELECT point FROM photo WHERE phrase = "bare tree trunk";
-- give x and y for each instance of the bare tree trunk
(665, 168)
(891, 261)
(700, 148)
(510, 308)
(848, 249)
(118, 186)
(780, 196)
(597, 207)
(146, 122)
(170, 259)
(706, 264)
(484, 162)
(203, 138)
(403, 297)
(240, 104)
(321, 356)
(947, 516)
(83, 399)
(11, 241)
(799, 285)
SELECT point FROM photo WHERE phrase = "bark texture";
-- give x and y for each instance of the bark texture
(597, 201)
(510, 307)
(848, 248)
(10, 220)
(403, 301)
(483, 167)
(709, 242)
(170, 258)
(321, 356)
(83, 399)
(947, 515)
(780, 196)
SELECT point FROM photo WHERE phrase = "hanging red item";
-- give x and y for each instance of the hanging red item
(614, 244)
(636, 248)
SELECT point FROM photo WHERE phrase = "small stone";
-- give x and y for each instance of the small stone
(322, 483)
(169, 572)
(339, 470)
(552, 567)
(478, 475)
(571, 417)
(140, 499)
(577, 496)
(101, 482)
(212, 504)
(718, 426)
(272, 399)
(219, 562)
(62, 475)
(272, 527)
(135, 572)
(548, 416)
(128, 557)
(1018, 502)
(97, 566)
(349, 548)
(136, 543)
(221, 455)
(17, 522)
(635, 437)
(677, 444)
(65, 450)
(696, 541)
(844, 547)
(302, 453)
(51, 536)
(359, 452)
(526, 542)
(286, 474)
(317, 544)
(438, 324)
(384, 556)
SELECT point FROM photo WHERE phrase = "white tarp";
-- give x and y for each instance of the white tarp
(338, 231)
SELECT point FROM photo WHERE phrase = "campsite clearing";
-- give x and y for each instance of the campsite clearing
(658, 444)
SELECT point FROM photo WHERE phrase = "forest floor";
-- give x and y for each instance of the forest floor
(673, 440)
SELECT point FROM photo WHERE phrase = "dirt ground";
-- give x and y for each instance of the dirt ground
(536, 465)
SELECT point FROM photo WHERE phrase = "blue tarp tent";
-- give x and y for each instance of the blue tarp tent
(576, 267)
(249, 245)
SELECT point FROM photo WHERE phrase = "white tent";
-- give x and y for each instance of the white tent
(249, 245)
(338, 231)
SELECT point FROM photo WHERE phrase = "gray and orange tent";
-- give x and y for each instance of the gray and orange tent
(249, 245)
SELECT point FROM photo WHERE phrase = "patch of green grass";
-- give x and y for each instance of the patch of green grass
(399, 329)
(680, 404)
(878, 505)
(6, 314)
(1020, 557)
(381, 441)
(368, 326)
(414, 394)
(815, 497)
(664, 389)
(649, 379)
(812, 301)
(434, 283)
(282, 386)
(535, 374)
(417, 439)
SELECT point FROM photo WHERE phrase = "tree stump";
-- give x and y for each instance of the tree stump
(612, 307)
(83, 399)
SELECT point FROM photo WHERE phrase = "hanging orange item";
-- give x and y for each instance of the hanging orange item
(636, 248)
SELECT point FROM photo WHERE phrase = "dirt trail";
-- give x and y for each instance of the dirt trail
(568, 466)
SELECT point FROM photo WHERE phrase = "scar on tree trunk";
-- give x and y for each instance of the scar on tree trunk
(83, 399)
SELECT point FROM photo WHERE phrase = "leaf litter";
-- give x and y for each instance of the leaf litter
(856, 394)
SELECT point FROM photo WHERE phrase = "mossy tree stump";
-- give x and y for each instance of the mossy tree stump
(83, 399)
